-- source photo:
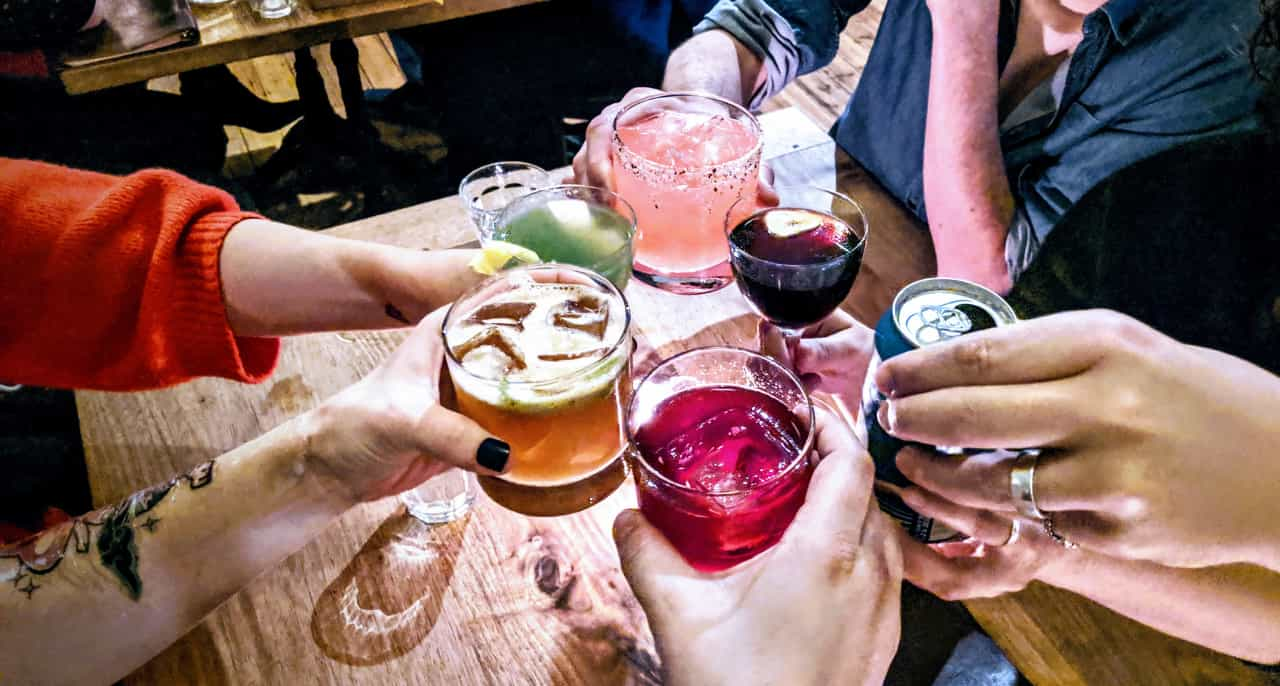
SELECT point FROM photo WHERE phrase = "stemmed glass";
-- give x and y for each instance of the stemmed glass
(796, 262)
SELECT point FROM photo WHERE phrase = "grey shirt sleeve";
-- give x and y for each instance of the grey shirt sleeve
(790, 37)
(765, 33)
(1021, 244)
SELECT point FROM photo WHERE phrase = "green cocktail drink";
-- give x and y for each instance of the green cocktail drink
(578, 225)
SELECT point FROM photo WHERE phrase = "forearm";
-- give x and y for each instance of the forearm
(966, 189)
(714, 62)
(1233, 609)
(115, 587)
(279, 280)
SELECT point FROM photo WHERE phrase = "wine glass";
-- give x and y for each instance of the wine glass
(796, 262)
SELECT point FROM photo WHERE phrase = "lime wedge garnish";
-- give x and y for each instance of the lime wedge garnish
(788, 223)
(499, 255)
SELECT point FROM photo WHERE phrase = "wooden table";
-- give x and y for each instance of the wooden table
(502, 599)
(232, 32)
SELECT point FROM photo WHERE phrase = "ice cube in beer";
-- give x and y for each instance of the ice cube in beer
(500, 350)
(585, 313)
(508, 313)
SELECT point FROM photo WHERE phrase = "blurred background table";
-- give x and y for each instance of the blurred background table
(231, 32)
(501, 598)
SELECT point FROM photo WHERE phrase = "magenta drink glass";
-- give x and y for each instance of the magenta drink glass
(720, 443)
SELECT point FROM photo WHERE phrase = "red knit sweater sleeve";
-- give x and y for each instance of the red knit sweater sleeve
(113, 283)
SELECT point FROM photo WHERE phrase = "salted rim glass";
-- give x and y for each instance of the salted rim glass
(628, 155)
(505, 281)
(592, 194)
(686, 381)
(486, 191)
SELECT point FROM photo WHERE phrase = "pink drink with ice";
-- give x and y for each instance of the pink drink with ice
(734, 473)
(682, 171)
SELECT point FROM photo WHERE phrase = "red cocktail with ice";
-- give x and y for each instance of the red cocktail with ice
(720, 443)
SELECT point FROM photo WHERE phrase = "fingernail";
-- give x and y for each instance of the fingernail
(493, 454)
(886, 416)
(903, 461)
(625, 523)
(884, 381)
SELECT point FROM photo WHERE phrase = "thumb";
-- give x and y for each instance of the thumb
(452, 438)
(766, 194)
(843, 352)
(647, 557)
(773, 343)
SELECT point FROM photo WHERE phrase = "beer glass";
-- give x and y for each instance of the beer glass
(540, 357)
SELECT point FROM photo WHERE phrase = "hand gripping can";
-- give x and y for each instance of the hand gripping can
(925, 312)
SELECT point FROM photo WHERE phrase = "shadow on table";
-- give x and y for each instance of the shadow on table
(194, 659)
(389, 596)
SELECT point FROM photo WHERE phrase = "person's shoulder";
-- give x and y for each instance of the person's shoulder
(1148, 20)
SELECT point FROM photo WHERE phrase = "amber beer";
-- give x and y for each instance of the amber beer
(540, 357)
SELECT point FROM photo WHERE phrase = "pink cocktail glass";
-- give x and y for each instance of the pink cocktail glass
(683, 160)
(720, 443)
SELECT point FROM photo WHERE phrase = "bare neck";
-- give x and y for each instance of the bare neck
(1055, 26)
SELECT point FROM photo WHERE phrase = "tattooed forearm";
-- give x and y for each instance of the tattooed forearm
(39, 555)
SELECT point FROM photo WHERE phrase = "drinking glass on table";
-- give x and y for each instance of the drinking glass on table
(443, 498)
(579, 225)
(487, 191)
(683, 160)
(449, 495)
(720, 443)
(795, 263)
(272, 9)
(540, 357)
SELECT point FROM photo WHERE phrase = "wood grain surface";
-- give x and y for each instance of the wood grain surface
(232, 32)
(498, 598)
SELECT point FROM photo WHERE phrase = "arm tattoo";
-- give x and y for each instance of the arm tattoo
(395, 313)
(41, 554)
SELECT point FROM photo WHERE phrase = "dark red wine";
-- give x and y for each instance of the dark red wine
(794, 266)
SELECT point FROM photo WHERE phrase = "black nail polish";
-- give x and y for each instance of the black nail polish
(493, 454)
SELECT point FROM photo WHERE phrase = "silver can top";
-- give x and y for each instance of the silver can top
(938, 309)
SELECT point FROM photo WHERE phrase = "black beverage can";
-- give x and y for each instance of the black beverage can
(925, 312)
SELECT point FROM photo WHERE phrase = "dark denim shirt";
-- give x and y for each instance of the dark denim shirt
(1147, 76)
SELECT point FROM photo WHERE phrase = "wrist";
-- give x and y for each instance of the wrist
(415, 283)
(1064, 567)
(993, 274)
(964, 17)
(318, 433)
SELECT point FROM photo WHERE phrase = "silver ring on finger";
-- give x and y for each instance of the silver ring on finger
(1052, 531)
(1022, 484)
(1015, 532)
